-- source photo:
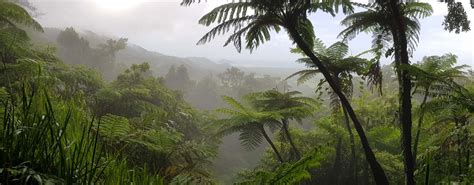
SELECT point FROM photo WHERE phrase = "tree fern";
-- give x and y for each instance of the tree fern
(12, 14)
(115, 127)
(250, 123)
(288, 173)
(291, 16)
(374, 20)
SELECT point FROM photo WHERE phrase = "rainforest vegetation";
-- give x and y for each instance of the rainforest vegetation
(73, 112)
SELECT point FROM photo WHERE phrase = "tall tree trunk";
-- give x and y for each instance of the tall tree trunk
(337, 162)
(468, 161)
(353, 163)
(466, 148)
(365, 176)
(401, 58)
(290, 139)
(459, 149)
(428, 168)
(269, 141)
(420, 122)
(377, 170)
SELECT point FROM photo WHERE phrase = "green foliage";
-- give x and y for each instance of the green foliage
(118, 172)
(447, 149)
(232, 77)
(13, 39)
(341, 67)
(12, 14)
(457, 19)
(247, 121)
(114, 127)
(236, 83)
(133, 92)
(38, 146)
(65, 81)
(178, 79)
(112, 46)
(436, 74)
(150, 125)
(148, 129)
(146, 133)
(252, 21)
(377, 20)
(74, 49)
(287, 104)
(287, 173)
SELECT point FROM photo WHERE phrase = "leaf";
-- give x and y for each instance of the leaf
(115, 127)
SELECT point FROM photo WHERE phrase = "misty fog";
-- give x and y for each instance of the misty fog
(236, 92)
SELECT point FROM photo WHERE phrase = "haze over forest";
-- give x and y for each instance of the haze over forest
(328, 92)
(147, 23)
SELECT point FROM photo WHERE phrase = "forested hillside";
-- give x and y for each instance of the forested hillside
(81, 108)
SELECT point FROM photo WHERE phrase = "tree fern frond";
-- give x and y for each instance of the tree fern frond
(298, 171)
(251, 137)
(288, 173)
(417, 9)
(224, 27)
(337, 50)
(113, 126)
(234, 103)
(11, 13)
(359, 22)
(319, 46)
(226, 13)
(304, 75)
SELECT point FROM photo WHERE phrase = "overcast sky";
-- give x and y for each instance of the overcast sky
(166, 27)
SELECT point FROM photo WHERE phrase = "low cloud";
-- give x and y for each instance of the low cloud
(165, 26)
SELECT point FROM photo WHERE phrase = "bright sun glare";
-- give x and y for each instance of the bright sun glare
(118, 5)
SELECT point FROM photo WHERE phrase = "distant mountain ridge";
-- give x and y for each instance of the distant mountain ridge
(135, 54)
(198, 67)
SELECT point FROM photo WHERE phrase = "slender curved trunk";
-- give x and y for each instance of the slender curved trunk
(401, 58)
(377, 170)
(290, 139)
(420, 122)
(271, 144)
(353, 163)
